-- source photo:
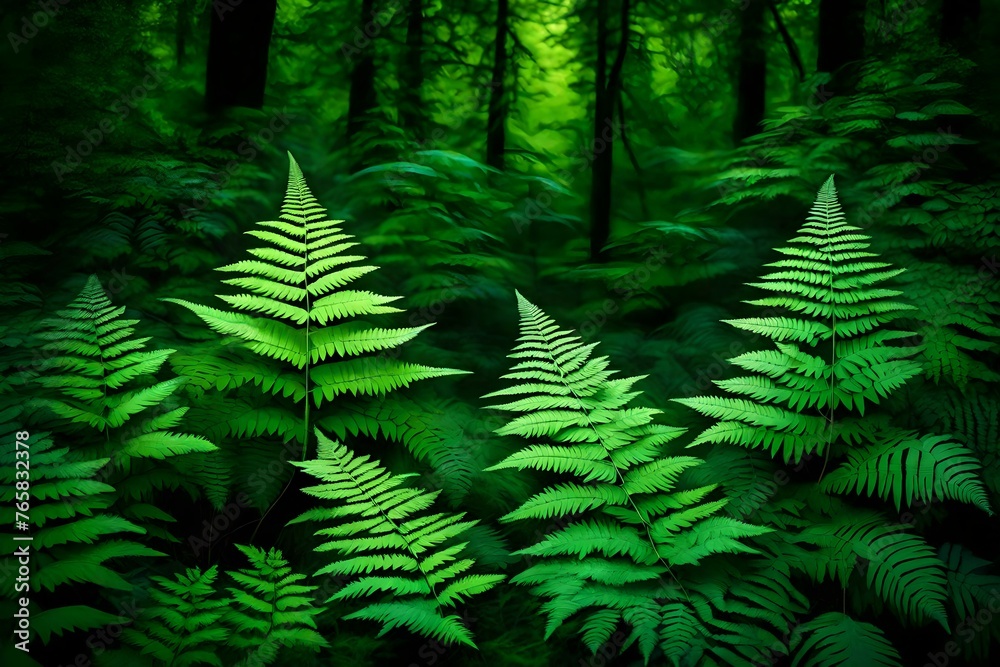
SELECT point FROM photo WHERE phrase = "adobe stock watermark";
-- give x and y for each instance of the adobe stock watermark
(223, 7)
(213, 530)
(898, 17)
(363, 36)
(42, 355)
(624, 288)
(94, 137)
(248, 149)
(967, 630)
(31, 25)
(585, 156)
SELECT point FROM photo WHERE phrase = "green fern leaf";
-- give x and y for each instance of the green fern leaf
(405, 559)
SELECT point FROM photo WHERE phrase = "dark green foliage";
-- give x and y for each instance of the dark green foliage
(189, 498)
(77, 539)
(817, 395)
(189, 621)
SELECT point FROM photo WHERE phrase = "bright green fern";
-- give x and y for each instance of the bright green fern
(625, 524)
(833, 358)
(408, 565)
(272, 609)
(811, 398)
(306, 332)
(180, 626)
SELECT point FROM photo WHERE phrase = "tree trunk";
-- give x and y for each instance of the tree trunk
(362, 98)
(606, 89)
(412, 72)
(496, 124)
(238, 42)
(752, 83)
(841, 41)
(184, 10)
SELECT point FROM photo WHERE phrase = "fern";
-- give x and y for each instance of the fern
(813, 396)
(837, 639)
(625, 521)
(96, 376)
(901, 567)
(298, 314)
(404, 558)
(833, 352)
(75, 539)
(971, 588)
(180, 626)
(273, 609)
(974, 419)
(920, 469)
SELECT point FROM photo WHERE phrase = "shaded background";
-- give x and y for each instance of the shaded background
(627, 165)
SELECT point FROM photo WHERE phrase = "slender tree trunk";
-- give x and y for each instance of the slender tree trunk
(362, 98)
(786, 37)
(607, 87)
(751, 86)
(238, 42)
(496, 124)
(412, 71)
(184, 10)
(841, 41)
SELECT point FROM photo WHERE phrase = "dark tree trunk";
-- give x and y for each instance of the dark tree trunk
(184, 11)
(960, 24)
(841, 41)
(362, 98)
(238, 42)
(607, 87)
(412, 72)
(496, 124)
(752, 82)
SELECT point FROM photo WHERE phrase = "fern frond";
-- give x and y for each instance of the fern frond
(75, 539)
(625, 519)
(405, 558)
(900, 567)
(907, 467)
(182, 625)
(272, 609)
(837, 639)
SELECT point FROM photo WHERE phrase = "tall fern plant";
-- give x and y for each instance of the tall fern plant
(304, 335)
(835, 357)
(630, 542)
(98, 379)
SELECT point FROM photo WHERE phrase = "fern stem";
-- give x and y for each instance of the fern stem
(271, 507)
(833, 355)
(305, 278)
(430, 586)
(618, 473)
